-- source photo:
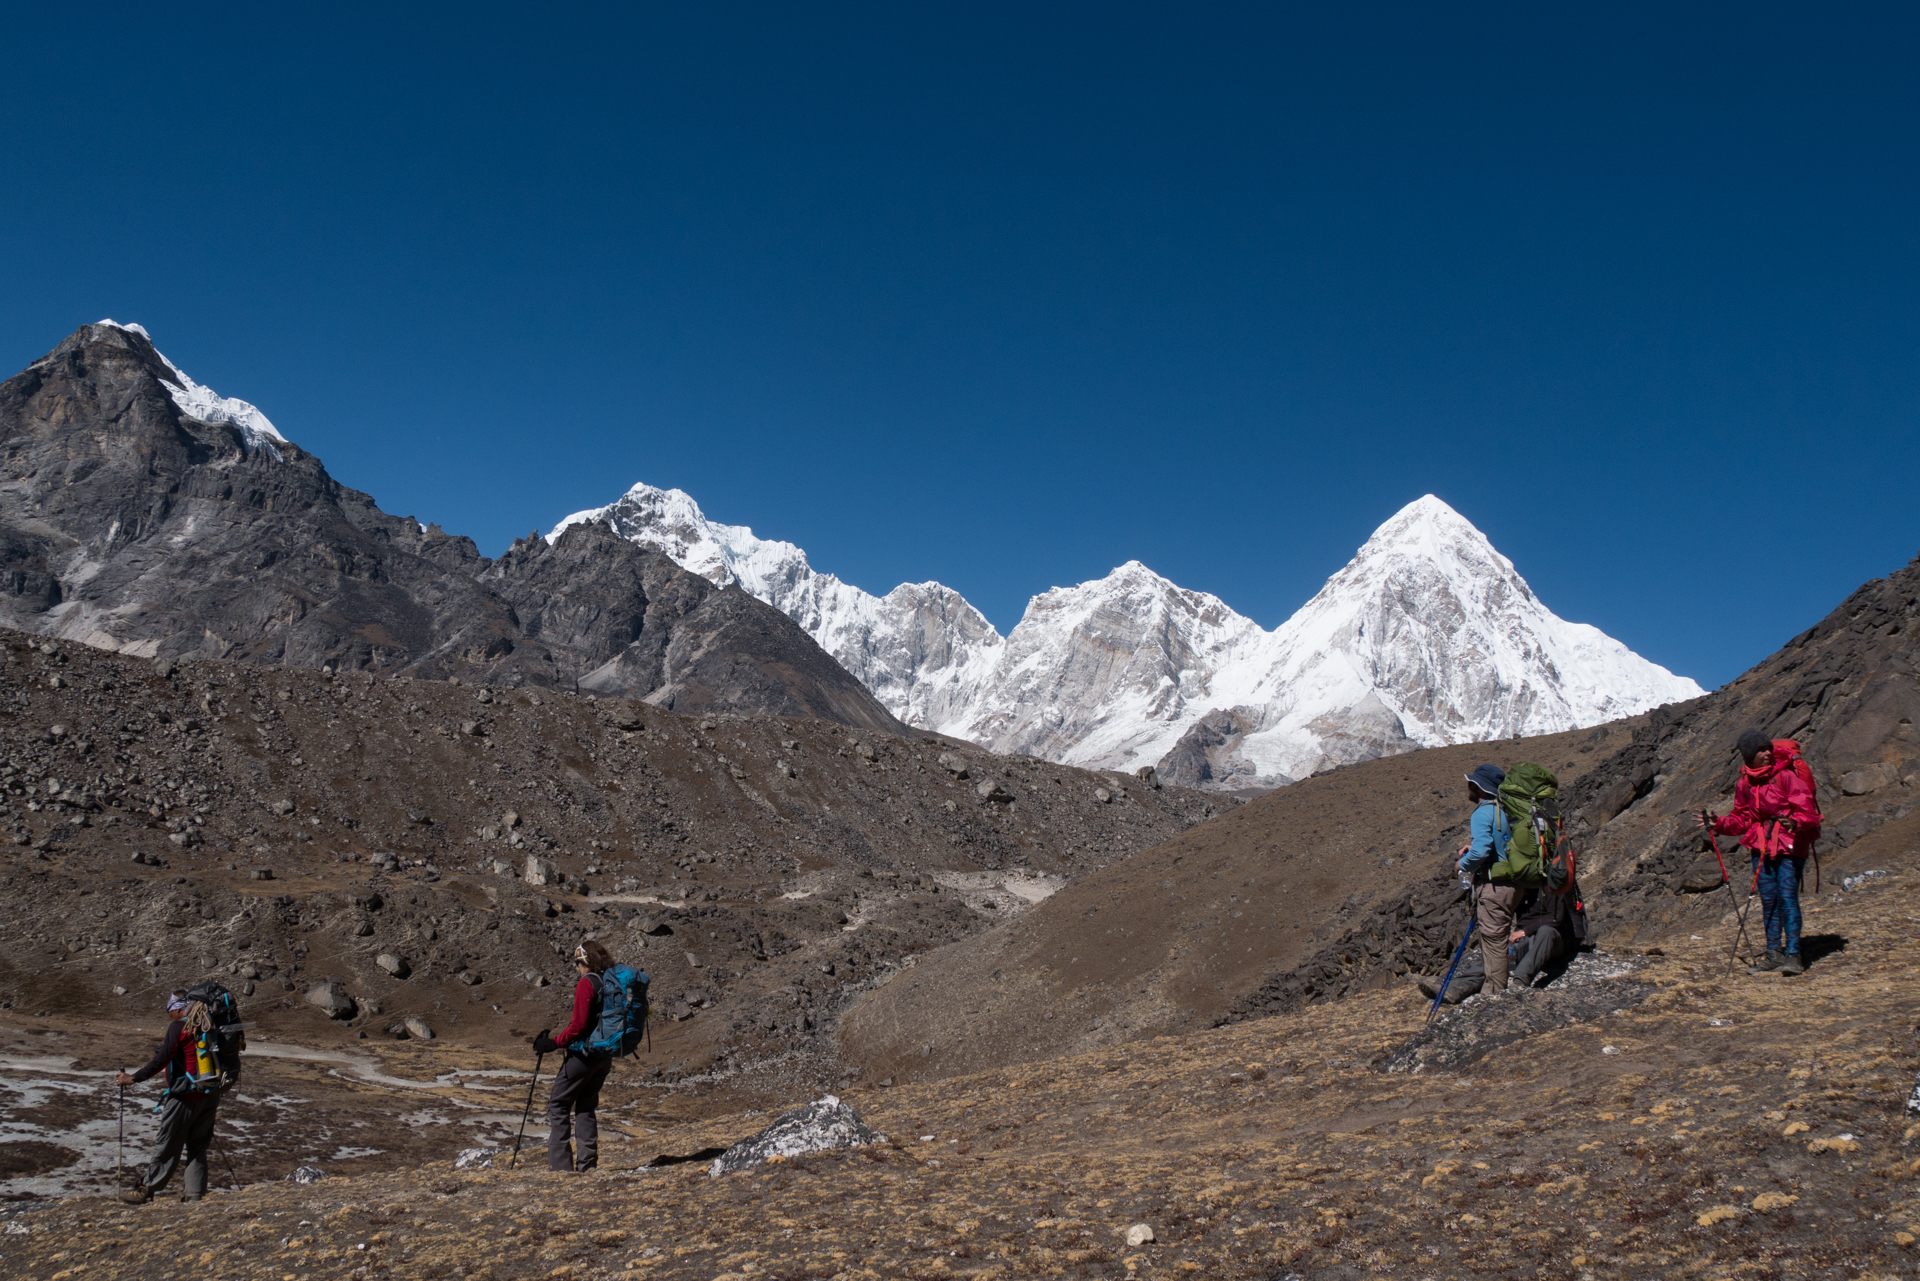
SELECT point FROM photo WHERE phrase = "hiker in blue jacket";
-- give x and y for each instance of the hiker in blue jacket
(1494, 905)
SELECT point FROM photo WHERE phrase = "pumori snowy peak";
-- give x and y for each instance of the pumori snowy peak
(1428, 636)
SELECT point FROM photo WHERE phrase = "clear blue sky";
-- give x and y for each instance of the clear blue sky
(1005, 296)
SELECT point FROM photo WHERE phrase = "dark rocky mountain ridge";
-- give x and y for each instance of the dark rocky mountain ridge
(128, 524)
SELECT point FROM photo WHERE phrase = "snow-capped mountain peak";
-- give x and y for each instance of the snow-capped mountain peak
(1427, 636)
(917, 648)
(210, 406)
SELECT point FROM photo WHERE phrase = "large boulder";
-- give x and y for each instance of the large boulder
(821, 1126)
(331, 996)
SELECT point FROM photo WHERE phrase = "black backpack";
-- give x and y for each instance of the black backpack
(227, 1038)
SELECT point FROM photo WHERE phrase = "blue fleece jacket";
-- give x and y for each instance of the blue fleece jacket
(1487, 842)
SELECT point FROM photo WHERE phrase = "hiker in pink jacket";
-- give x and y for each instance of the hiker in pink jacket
(1776, 817)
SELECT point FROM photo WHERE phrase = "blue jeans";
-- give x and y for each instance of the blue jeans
(1780, 900)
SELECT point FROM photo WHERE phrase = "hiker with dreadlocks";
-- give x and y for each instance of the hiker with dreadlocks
(575, 1098)
(186, 1113)
(1777, 818)
(1548, 929)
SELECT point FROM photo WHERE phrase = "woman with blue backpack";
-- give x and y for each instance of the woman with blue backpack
(609, 1016)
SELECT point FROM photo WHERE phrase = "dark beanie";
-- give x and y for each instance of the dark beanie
(1752, 743)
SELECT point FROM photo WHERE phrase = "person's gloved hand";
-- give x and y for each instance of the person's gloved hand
(545, 1044)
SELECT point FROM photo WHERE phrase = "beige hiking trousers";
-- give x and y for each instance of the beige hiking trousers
(1495, 913)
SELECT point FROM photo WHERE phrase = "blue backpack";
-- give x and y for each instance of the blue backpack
(623, 1013)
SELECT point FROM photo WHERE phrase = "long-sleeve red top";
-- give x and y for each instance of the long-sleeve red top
(586, 1009)
(1761, 800)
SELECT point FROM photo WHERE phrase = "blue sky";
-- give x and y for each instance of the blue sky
(1005, 296)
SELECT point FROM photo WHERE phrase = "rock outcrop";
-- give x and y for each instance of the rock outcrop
(140, 512)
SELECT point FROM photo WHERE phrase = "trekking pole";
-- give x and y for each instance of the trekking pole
(1458, 952)
(1740, 909)
(233, 1180)
(120, 1148)
(526, 1111)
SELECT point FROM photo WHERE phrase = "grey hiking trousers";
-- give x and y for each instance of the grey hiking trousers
(186, 1123)
(1540, 950)
(570, 1113)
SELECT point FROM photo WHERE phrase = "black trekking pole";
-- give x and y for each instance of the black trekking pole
(1458, 952)
(1740, 909)
(233, 1180)
(120, 1148)
(526, 1111)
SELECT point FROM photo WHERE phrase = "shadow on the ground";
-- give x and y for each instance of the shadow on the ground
(1815, 947)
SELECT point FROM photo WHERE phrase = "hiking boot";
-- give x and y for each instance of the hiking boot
(137, 1196)
(1773, 960)
(1793, 965)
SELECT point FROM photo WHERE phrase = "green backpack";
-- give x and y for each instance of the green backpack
(1539, 853)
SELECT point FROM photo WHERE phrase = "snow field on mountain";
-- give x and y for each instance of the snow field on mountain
(209, 406)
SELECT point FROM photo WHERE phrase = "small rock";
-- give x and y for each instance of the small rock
(475, 1158)
(417, 1028)
(510, 820)
(332, 997)
(118, 990)
(282, 807)
(260, 873)
(307, 1174)
(992, 791)
(540, 871)
(864, 751)
(470, 728)
(468, 977)
(361, 929)
(1138, 1235)
(1102, 795)
(953, 763)
(394, 965)
(1146, 775)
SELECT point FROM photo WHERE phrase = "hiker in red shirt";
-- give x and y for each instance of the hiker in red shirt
(1777, 818)
(576, 1090)
(186, 1116)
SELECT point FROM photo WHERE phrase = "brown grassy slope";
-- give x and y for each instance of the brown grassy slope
(1721, 1129)
(759, 839)
(1174, 936)
(1290, 899)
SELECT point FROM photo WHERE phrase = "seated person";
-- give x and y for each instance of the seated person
(1549, 928)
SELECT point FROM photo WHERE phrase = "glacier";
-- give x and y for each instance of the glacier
(1428, 636)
